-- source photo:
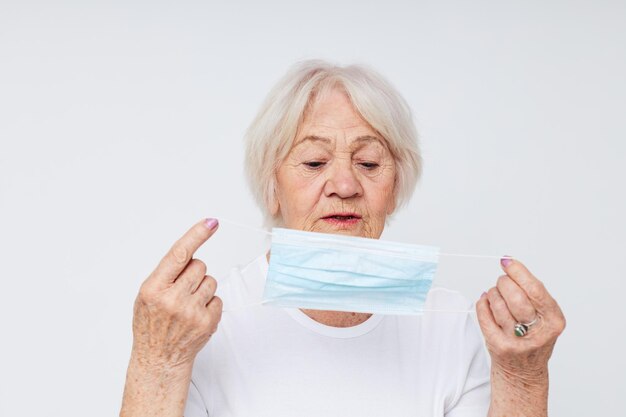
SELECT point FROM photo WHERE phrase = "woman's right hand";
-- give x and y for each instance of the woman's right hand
(176, 312)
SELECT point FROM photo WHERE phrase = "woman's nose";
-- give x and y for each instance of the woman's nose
(342, 181)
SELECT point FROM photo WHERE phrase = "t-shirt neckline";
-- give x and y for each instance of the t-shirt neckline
(317, 327)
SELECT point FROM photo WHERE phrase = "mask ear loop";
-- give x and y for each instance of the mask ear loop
(245, 226)
(256, 229)
(424, 310)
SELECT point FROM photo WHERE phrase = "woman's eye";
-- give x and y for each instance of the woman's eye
(369, 165)
(314, 164)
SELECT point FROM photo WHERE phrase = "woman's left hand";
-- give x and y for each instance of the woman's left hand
(519, 363)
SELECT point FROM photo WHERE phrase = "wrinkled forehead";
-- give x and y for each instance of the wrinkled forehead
(371, 141)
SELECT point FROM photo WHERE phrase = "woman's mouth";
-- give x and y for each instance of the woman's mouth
(342, 219)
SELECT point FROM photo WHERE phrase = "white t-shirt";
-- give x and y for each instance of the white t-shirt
(273, 362)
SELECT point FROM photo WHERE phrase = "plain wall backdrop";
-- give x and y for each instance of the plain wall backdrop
(121, 125)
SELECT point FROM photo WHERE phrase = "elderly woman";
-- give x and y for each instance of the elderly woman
(333, 150)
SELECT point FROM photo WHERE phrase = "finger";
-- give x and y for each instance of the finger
(534, 289)
(491, 330)
(215, 307)
(500, 310)
(206, 290)
(188, 280)
(516, 300)
(181, 252)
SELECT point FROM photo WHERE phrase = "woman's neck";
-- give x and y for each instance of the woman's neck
(336, 318)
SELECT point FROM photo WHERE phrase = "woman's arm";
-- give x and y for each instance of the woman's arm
(519, 364)
(155, 391)
(175, 314)
(514, 395)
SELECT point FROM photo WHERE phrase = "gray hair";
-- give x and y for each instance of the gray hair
(271, 134)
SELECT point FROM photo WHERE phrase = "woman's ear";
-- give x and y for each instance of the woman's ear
(275, 208)
(274, 204)
(392, 206)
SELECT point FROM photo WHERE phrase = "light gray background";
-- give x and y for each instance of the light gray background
(121, 126)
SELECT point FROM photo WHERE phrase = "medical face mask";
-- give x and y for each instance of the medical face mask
(345, 273)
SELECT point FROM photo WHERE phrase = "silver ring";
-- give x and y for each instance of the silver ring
(521, 329)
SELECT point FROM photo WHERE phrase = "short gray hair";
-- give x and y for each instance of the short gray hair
(271, 134)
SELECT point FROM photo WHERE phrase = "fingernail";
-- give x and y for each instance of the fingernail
(484, 294)
(506, 261)
(210, 223)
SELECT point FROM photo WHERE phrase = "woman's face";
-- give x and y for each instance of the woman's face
(339, 176)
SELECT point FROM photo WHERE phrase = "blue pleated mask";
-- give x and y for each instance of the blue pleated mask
(345, 273)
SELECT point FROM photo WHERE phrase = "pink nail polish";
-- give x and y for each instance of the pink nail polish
(506, 261)
(210, 223)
